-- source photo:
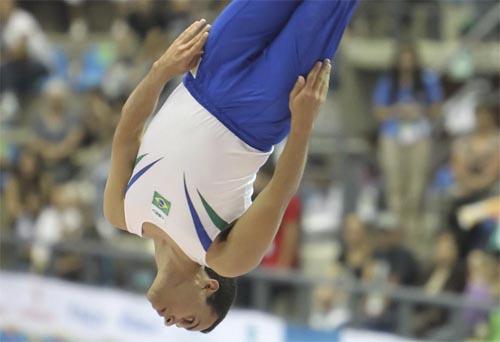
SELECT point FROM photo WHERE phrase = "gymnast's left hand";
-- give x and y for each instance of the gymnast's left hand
(186, 50)
(308, 95)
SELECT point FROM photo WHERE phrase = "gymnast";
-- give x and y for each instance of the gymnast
(257, 75)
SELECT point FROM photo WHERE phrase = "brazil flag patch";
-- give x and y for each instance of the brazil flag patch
(161, 203)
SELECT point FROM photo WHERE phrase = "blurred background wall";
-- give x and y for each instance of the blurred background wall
(401, 191)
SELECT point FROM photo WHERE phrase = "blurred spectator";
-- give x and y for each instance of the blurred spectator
(330, 305)
(117, 83)
(25, 193)
(61, 219)
(322, 219)
(98, 174)
(357, 248)
(404, 101)
(447, 275)
(131, 64)
(376, 310)
(8, 158)
(475, 156)
(494, 319)
(57, 134)
(99, 120)
(481, 281)
(476, 167)
(322, 216)
(323, 197)
(25, 51)
(403, 267)
(94, 155)
(181, 12)
(392, 264)
(145, 15)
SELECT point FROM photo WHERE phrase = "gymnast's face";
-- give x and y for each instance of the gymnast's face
(184, 303)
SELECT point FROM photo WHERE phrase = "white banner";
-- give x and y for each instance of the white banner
(42, 307)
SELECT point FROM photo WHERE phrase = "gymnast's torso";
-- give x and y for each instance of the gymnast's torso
(192, 177)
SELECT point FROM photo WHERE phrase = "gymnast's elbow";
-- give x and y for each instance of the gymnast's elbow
(114, 214)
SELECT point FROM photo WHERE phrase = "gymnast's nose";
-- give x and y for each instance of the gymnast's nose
(169, 321)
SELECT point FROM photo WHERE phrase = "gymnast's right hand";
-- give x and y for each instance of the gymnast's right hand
(307, 96)
(185, 52)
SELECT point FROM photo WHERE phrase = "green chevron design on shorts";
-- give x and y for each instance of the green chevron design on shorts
(216, 219)
(138, 159)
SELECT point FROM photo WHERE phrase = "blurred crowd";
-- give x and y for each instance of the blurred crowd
(427, 208)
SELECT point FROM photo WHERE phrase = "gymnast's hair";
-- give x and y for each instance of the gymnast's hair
(222, 299)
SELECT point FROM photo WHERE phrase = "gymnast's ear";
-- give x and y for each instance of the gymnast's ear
(211, 285)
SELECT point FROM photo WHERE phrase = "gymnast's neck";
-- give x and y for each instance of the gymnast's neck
(169, 257)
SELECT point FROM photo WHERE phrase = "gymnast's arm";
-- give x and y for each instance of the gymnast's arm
(181, 56)
(254, 231)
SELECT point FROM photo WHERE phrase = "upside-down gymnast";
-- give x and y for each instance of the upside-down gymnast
(258, 75)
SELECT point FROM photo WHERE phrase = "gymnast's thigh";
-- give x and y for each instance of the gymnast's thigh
(243, 30)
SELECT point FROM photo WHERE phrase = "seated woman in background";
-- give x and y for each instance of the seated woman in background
(476, 167)
(475, 156)
(358, 246)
